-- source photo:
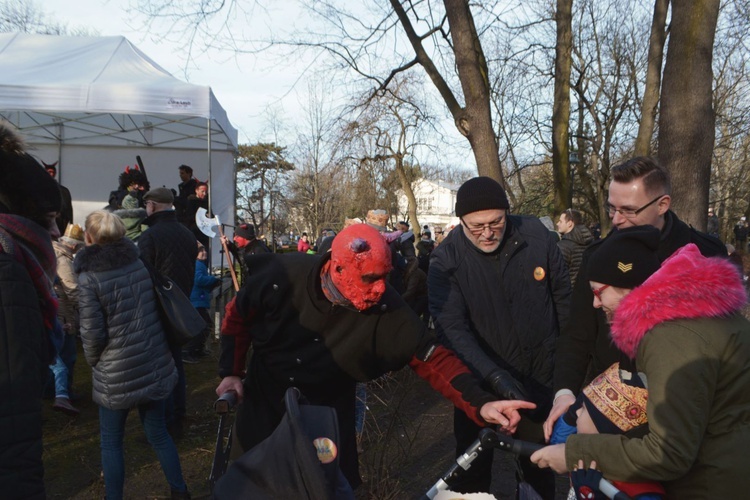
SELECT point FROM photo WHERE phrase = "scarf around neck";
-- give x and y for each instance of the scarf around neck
(30, 245)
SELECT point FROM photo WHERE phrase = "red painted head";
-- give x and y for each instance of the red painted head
(360, 263)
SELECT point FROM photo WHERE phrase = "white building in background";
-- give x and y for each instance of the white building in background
(436, 203)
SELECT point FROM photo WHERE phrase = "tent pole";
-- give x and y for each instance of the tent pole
(210, 185)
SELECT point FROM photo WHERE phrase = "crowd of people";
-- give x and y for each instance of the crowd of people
(628, 355)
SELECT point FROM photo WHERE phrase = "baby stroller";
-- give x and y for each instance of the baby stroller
(487, 441)
(299, 460)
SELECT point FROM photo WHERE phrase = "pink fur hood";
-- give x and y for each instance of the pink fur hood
(688, 285)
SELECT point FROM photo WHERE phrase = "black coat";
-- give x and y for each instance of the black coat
(170, 248)
(584, 349)
(301, 339)
(23, 372)
(502, 309)
(186, 189)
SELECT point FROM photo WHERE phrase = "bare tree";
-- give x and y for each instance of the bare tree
(395, 121)
(649, 105)
(25, 16)
(686, 124)
(561, 106)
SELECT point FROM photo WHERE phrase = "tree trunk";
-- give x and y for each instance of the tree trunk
(686, 122)
(409, 193)
(475, 120)
(653, 78)
(561, 108)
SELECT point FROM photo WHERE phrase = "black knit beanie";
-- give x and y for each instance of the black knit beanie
(480, 193)
(26, 188)
(626, 258)
(245, 231)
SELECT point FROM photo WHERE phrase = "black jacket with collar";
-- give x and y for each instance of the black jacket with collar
(503, 309)
(585, 349)
(170, 248)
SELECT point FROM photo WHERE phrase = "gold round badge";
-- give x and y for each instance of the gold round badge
(326, 450)
(539, 274)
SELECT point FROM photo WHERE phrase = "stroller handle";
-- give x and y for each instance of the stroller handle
(226, 403)
(489, 439)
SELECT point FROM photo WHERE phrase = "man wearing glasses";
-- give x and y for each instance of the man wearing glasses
(498, 293)
(639, 195)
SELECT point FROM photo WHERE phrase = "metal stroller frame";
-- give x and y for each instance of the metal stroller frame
(487, 441)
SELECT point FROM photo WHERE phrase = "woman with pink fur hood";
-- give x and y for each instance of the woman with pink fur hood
(681, 328)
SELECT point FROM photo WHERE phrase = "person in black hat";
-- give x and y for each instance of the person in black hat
(681, 328)
(29, 330)
(244, 245)
(498, 293)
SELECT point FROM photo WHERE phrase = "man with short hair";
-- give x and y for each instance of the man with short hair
(186, 188)
(65, 216)
(498, 295)
(639, 195)
(171, 249)
(574, 238)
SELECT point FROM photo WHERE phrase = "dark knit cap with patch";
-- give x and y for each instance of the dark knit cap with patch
(626, 258)
(480, 193)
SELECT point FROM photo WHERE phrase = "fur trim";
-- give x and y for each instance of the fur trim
(97, 258)
(10, 141)
(687, 286)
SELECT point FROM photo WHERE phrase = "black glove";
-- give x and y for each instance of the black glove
(505, 386)
(586, 484)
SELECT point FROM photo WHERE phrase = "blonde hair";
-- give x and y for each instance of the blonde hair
(104, 227)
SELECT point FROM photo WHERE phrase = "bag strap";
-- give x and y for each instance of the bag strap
(156, 277)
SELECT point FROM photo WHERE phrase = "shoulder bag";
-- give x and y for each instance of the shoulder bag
(179, 318)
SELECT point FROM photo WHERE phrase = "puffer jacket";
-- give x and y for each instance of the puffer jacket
(502, 309)
(121, 332)
(690, 342)
(572, 246)
(170, 248)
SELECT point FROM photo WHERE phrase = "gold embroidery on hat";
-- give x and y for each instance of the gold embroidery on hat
(622, 404)
(624, 267)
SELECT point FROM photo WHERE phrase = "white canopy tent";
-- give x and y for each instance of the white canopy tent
(94, 103)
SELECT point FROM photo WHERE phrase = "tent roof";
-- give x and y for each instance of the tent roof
(103, 91)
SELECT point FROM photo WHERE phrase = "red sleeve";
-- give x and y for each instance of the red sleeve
(450, 377)
(235, 340)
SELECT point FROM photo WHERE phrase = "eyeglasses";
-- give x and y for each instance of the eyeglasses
(478, 229)
(598, 291)
(630, 213)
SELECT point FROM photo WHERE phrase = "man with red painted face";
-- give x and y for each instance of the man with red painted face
(322, 323)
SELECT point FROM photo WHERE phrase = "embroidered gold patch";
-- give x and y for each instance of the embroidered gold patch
(624, 267)
(539, 274)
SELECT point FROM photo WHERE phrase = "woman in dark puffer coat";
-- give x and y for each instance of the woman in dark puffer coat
(124, 343)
